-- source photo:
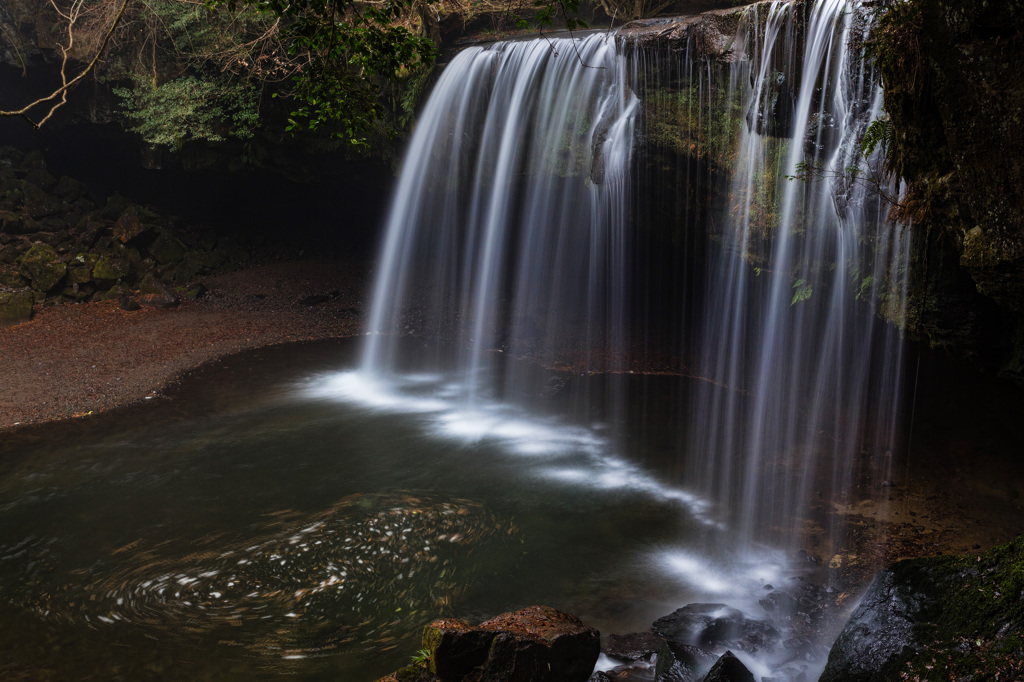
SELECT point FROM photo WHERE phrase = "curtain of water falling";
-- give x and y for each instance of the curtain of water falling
(510, 236)
(508, 229)
(803, 376)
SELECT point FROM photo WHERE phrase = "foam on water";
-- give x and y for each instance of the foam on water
(559, 451)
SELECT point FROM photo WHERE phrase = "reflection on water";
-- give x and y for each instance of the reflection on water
(249, 527)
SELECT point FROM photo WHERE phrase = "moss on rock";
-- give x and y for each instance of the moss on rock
(935, 618)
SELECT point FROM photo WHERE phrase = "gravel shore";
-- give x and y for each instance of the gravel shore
(77, 359)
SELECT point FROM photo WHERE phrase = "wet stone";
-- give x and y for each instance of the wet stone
(633, 647)
(682, 663)
(535, 644)
(716, 627)
(729, 669)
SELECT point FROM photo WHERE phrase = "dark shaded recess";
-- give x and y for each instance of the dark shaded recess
(339, 205)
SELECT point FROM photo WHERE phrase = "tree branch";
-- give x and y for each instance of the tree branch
(62, 91)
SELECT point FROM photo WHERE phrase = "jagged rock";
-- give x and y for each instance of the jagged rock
(634, 646)
(716, 627)
(115, 206)
(80, 268)
(15, 307)
(682, 663)
(729, 669)
(131, 226)
(937, 618)
(190, 266)
(535, 644)
(43, 267)
(155, 294)
(779, 603)
(39, 204)
(110, 267)
(167, 249)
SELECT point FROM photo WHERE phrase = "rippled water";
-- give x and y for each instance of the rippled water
(276, 516)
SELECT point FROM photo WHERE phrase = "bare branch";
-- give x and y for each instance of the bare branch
(62, 92)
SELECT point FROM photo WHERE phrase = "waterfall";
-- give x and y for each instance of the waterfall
(508, 229)
(803, 375)
(522, 237)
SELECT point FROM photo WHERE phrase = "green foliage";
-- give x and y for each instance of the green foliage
(867, 285)
(879, 133)
(347, 53)
(801, 291)
(420, 657)
(189, 108)
(700, 123)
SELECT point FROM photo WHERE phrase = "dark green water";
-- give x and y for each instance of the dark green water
(239, 528)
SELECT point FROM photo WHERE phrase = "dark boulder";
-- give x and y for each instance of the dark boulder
(456, 648)
(167, 249)
(110, 267)
(130, 226)
(716, 627)
(633, 647)
(682, 663)
(155, 294)
(729, 669)
(43, 267)
(535, 644)
(937, 618)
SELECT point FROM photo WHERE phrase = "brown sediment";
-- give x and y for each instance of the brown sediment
(77, 359)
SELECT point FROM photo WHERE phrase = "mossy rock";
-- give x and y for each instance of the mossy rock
(43, 267)
(135, 224)
(937, 618)
(80, 268)
(15, 307)
(110, 267)
(167, 249)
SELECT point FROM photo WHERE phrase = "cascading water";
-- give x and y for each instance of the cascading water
(517, 241)
(508, 231)
(804, 375)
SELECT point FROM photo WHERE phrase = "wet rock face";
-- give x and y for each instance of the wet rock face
(716, 626)
(535, 644)
(729, 669)
(938, 618)
(955, 95)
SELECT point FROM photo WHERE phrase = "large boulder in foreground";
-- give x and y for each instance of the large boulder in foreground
(535, 644)
(937, 618)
